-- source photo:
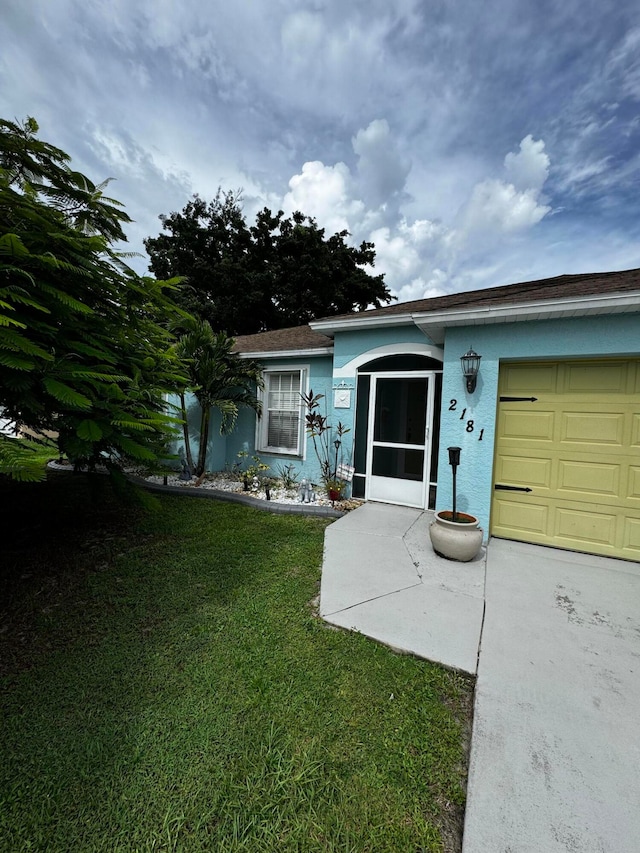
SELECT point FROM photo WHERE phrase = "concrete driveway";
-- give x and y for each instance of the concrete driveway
(555, 637)
(555, 761)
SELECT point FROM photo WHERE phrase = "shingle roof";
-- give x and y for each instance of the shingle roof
(560, 287)
(293, 338)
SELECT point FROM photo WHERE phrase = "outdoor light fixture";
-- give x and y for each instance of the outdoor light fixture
(470, 362)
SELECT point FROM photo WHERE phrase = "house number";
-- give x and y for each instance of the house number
(470, 426)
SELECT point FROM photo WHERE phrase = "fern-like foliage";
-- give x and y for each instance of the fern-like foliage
(18, 462)
(85, 349)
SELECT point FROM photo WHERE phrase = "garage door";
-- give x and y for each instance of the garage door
(567, 462)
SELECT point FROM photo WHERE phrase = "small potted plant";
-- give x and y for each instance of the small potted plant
(335, 488)
(455, 535)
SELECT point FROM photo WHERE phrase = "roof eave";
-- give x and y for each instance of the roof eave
(287, 353)
(434, 323)
(329, 326)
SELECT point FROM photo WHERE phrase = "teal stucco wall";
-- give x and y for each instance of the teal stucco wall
(217, 444)
(350, 345)
(474, 431)
(243, 437)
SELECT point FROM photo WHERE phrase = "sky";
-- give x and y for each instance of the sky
(474, 143)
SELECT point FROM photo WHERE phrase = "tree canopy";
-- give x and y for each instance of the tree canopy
(84, 346)
(279, 272)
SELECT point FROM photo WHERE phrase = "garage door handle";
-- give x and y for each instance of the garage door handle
(502, 488)
(518, 399)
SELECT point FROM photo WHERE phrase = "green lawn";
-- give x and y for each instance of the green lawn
(166, 685)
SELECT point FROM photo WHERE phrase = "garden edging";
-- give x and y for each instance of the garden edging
(219, 495)
(234, 497)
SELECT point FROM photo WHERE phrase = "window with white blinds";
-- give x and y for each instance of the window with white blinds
(282, 411)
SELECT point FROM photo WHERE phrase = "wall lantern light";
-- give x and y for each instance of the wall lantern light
(470, 362)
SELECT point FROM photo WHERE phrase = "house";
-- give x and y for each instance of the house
(549, 436)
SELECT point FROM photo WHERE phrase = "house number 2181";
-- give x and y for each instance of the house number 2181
(470, 425)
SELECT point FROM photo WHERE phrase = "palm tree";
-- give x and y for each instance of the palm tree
(218, 378)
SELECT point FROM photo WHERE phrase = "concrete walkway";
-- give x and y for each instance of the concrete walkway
(555, 751)
(381, 577)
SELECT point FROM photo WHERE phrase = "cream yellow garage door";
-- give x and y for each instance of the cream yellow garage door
(567, 461)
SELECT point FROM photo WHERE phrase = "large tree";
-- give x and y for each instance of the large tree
(281, 271)
(84, 346)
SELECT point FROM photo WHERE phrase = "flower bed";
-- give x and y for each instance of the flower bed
(225, 482)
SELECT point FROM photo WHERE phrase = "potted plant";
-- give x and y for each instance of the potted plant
(327, 444)
(335, 488)
(455, 535)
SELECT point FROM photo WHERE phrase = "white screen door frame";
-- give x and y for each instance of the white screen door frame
(398, 451)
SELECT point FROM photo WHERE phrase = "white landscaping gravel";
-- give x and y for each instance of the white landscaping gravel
(225, 483)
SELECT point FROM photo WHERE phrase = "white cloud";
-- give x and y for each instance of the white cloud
(395, 254)
(125, 158)
(332, 194)
(408, 256)
(419, 257)
(579, 176)
(496, 205)
(529, 168)
(324, 192)
(437, 284)
(502, 207)
(624, 64)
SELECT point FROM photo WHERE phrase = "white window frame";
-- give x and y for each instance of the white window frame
(262, 426)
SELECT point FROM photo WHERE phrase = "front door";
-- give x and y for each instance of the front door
(400, 410)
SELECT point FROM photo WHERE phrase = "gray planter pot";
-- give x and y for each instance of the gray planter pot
(455, 540)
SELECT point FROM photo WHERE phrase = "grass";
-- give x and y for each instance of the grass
(43, 449)
(167, 686)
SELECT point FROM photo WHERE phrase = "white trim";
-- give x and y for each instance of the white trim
(351, 367)
(391, 374)
(433, 323)
(287, 353)
(397, 490)
(262, 423)
(357, 322)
